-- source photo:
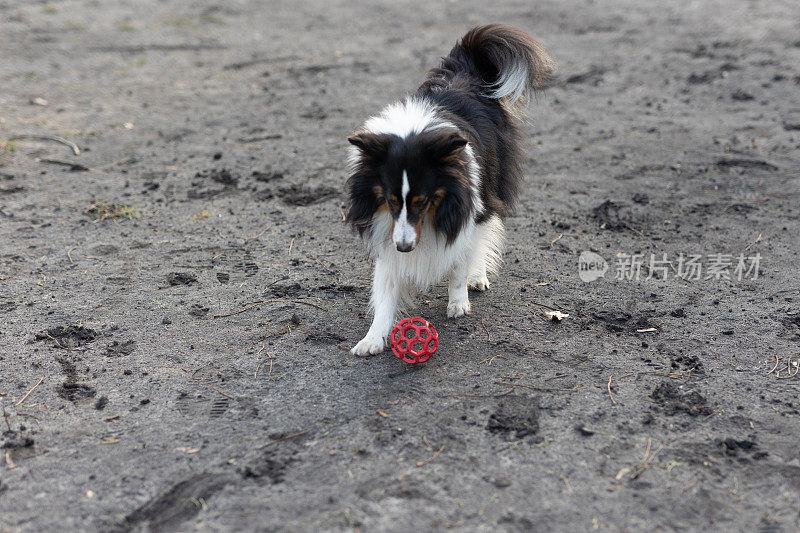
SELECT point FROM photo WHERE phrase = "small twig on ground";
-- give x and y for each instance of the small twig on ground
(777, 361)
(540, 389)
(128, 159)
(287, 437)
(55, 138)
(613, 401)
(269, 372)
(290, 247)
(71, 164)
(262, 302)
(5, 417)
(556, 239)
(483, 325)
(58, 343)
(506, 393)
(69, 254)
(636, 231)
(669, 374)
(32, 389)
(490, 359)
(423, 463)
(788, 370)
(752, 243)
(254, 237)
(265, 337)
(636, 470)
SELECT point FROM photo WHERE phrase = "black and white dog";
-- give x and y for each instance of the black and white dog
(433, 176)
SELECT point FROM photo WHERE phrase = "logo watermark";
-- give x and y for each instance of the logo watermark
(591, 266)
(688, 267)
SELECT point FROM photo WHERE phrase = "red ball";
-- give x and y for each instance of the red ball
(414, 340)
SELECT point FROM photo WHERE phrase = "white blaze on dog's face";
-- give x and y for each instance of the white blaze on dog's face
(404, 234)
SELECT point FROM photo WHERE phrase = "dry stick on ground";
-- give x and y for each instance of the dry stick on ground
(752, 243)
(55, 138)
(483, 325)
(613, 401)
(788, 370)
(71, 164)
(636, 470)
(128, 159)
(287, 437)
(257, 304)
(265, 337)
(777, 361)
(668, 374)
(540, 389)
(506, 393)
(30, 391)
(58, 343)
(271, 361)
(490, 359)
(5, 417)
(646, 464)
(423, 463)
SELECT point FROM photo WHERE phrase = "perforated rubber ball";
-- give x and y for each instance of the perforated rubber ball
(414, 340)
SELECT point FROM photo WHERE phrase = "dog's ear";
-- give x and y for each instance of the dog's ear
(453, 210)
(372, 145)
(446, 147)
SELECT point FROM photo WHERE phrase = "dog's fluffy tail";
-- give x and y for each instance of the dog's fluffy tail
(509, 63)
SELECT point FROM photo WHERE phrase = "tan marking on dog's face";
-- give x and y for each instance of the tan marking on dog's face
(394, 204)
(437, 198)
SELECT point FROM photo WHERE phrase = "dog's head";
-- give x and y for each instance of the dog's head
(423, 176)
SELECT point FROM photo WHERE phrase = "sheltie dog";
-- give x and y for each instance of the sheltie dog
(433, 176)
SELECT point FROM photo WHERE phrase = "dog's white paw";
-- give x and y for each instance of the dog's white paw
(479, 283)
(368, 346)
(458, 308)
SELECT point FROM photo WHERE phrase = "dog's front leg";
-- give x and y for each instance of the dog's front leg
(385, 291)
(458, 304)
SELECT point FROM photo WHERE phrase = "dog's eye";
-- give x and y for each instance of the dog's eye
(394, 203)
(418, 203)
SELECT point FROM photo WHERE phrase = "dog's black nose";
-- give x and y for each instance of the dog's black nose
(405, 246)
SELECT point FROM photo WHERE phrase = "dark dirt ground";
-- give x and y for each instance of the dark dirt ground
(214, 138)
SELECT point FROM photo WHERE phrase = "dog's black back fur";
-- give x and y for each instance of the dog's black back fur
(462, 85)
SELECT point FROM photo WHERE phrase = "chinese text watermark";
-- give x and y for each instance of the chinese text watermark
(688, 267)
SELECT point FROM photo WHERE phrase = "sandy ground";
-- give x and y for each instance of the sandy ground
(210, 177)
